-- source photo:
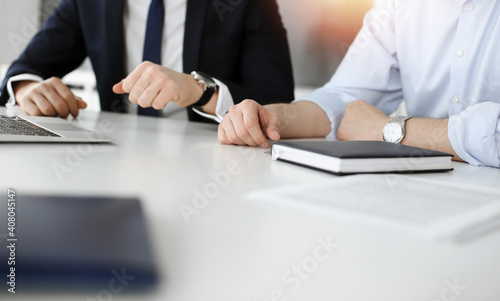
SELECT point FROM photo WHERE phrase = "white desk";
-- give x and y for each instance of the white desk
(239, 250)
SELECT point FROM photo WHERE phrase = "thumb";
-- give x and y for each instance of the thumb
(273, 134)
(271, 125)
(118, 88)
(81, 104)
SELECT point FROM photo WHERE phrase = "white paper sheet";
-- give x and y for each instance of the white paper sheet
(413, 205)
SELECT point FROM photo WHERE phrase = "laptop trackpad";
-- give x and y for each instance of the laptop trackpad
(60, 127)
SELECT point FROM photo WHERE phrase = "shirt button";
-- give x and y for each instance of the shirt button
(470, 6)
(460, 52)
(456, 99)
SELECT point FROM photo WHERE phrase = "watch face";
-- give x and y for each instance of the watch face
(205, 78)
(393, 132)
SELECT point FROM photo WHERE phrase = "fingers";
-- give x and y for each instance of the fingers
(247, 123)
(118, 88)
(251, 125)
(43, 104)
(235, 126)
(30, 108)
(137, 83)
(140, 85)
(135, 94)
(81, 104)
(161, 100)
(60, 97)
(131, 80)
(273, 134)
(222, 136)
(147, 96)
(270, 122)
(151, 85)
(241, 132)
(229, 134)
(51, 98)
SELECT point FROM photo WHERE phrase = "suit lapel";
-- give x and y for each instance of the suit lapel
(195, 20)
(115, 48)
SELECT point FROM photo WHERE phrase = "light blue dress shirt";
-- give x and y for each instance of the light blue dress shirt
(441, 57)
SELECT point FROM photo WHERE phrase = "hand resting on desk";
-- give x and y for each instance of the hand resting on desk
(48, 98)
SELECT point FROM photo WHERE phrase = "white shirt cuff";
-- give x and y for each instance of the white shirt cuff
(475, 134)
(224, 102)
(21, 77)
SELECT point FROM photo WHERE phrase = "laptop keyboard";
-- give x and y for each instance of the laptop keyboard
(18, 126)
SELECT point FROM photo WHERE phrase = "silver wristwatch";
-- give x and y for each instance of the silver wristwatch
(394, 130)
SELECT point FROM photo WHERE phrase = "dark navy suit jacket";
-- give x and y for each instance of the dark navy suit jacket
(244, 46)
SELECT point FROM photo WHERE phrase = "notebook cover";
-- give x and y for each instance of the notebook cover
(70, 243)
(362, 149)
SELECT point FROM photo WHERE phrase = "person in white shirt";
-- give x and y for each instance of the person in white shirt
(241, 47)
(440, 57)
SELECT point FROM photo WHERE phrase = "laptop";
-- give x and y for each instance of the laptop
(45, 129)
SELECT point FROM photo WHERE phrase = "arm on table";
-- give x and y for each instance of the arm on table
(363, 121)
(56, 49)
(47, 98)
(431, 134)
(249, 123)
(472, 136)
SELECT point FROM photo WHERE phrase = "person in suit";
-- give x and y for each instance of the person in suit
(241, 47)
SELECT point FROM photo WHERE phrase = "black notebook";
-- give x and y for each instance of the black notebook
(77, 243)
(352, 157)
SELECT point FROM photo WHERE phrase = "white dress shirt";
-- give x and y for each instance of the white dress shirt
(442, 57)
(135, 19)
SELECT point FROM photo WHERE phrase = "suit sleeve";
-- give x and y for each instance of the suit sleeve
(265, 64)
(57, 49)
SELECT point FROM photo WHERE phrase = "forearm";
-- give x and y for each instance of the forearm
(429, 133)
(302, 119)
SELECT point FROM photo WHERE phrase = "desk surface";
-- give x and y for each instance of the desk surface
(235, 249)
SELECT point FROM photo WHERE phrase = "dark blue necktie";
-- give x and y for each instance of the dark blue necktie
(152, 43)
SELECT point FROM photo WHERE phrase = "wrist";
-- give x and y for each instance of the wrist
(196, 88)
(288, 116)
(410, 126)
(207, 102)
(211, 106)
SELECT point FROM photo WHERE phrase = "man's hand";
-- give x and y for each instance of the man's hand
(248, 123)
(48, 98)
(151, 85)
(362, 121)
